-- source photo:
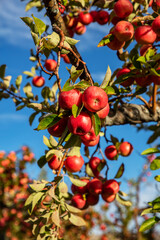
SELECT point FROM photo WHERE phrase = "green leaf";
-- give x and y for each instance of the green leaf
(150, 151)
(53, 142)
(35, 38)
(37, 187)
(28, 90)
(48, 121)
(96, 122)
(110, 90)
(71, 41)
(154, 72)
(146, 211)
(46, 142)
(120, 171)
(2, 71)
(155, 164)
(105, 40)
(149, 223)
(67, 86)
(51, 41)
(18, 81)
(75, 73)
(36, 199)
(29, 74)
(88, 170)
(114, 139)
(74, 140)
(32, 117)
(72, 209)
(123, 201)
(55, 218)
(77, 182)
(52, 152)
(75, 110)
(42, 161)
(142, 60)
(106, 78)
(76, 220)
(157, 178)
(41, 26)
(82, 84)
(29, 199)
(7, 80)
(63, 187)
(32, 4)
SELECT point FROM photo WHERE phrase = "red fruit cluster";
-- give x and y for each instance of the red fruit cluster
(78, 24)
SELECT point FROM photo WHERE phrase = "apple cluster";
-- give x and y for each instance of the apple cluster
(78, 24)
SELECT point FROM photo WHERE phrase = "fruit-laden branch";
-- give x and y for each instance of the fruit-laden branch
(132, 114)
(56, 20)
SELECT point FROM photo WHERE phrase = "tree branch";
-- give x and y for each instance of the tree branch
(131, 114)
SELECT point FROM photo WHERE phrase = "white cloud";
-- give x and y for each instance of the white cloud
(5, 117)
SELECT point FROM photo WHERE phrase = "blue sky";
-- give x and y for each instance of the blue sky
(15, 44)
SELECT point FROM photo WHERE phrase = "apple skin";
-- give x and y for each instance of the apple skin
(125, 149)
(74, 163)
(108, 198)
(91, 143)
(144, 48)
(129, 81)
(50, 65)
(123, 8)
(90, 136)
(95, 186)
(54, 163)
(80, 28)
(102, 17)
(80, 125)
(156, 25)
(94, 162)
(78, 201)
(103, 112)
(115, 44)
(65, 58)
(38, 81)
(145, 35)
(155, 79)
(68, 98)
(110, 187)
(92, 199)
(94, 15)
(115, 20)
(124, 31)
(94, 98)
(111, 152)
(85, 18)
(57, 129)
(81, 190)
(143, 81)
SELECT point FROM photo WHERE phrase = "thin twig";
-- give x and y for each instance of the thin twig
(154, 98)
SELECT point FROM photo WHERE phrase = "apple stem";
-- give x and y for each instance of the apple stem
(154, 98)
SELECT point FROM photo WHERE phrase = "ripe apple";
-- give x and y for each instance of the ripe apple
(125, 149)
(50, 65)
(103, 112)
(143, 81)
(94, 98)
(127, 82)
(81, 190)
(80, 125)
(68, 98)
(114, 43)
(144, 48)
(74, 163)
(123, 8)
(95, 186)
(85, 18)
(38, 81)
(102, 17)
(110, 187)
(94, 15)
(104, 237)
(156, 25)
(124, 31)
(91, 143)
(65, 58)
(111, 152)
(145, 35)
(78, 201)
(90, 136)
(115, 20)
(80, 28)
(57, 129)
(108, 198)
(54, 163)
(155, 79)
(94, 162)
(92, 199)
(70, 21)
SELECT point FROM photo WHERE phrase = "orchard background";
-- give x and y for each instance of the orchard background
(15, 130)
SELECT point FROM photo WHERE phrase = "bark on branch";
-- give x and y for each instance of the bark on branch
(131, 114)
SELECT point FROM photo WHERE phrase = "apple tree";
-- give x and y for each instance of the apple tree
(76, 111)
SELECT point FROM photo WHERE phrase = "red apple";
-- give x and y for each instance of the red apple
(144, 48)
(102, 17)
(114, 43)
(54, 162)
(81, 190)
(143, 81)
(80, 28)
(85, 18)
(115, 20)
(57, 129)
(103, 112)
(92, 199)
(125, 149)
(38, 81)
(94, 162)
(90, 136)
(91, 143)
(124, 31)
(94, 98)
(65, 58)
(74, 163)
(68, 98)
(123, 8)
(95, 186)
(127, 82)
(145, 35)
(80, 125)
(155, 79)
(156, 25)
(94, 15)
(50, 65)
(110, 187)
(108, 198)
(78, 201)
(111, 152)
